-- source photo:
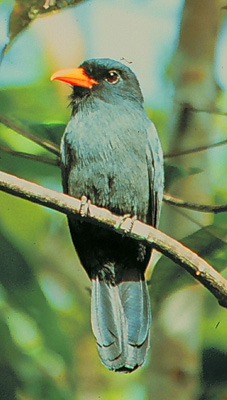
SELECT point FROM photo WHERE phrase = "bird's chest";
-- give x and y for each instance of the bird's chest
(108, 165)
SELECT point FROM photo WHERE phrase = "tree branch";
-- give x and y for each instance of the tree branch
(207, 111)
(30, 156)
(209, 208)
(171, 248)
(195, 149)
(43, 143)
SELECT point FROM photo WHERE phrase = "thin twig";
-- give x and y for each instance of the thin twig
(201, 110)
(35, 157)
(207, 111)
(195, 149)
(43, 143)
(150, 236)
(207, 208)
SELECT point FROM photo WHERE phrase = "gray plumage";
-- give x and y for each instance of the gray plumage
(111, 153)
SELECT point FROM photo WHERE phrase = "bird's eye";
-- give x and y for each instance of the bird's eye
(112, 77)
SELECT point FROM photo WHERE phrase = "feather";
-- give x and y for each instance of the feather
(121, 322)
(108, 323)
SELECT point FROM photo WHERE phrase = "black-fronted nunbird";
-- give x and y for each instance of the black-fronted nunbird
(110, 153)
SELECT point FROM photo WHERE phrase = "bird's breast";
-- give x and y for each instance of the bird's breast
(108, 162)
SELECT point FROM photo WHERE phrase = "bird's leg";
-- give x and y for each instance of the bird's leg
(84, 206)
(128, 222)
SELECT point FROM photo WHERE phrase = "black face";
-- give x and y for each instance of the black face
(114, 79)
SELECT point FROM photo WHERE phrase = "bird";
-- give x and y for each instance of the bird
(111, 154)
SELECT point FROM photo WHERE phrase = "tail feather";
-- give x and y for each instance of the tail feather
(121, 322)
(136, 305)
(108, 322)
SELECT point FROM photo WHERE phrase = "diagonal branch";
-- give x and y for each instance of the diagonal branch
(195, 149)
(43, 143)
(170, 247)
(210, 208)
(207, 111)
(30, 156)
(201, 226)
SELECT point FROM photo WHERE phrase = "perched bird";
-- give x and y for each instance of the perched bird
(110, 153)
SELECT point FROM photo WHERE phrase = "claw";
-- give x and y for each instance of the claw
(84, 206)
(128, 222)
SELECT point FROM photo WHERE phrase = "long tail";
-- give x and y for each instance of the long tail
(121, 321)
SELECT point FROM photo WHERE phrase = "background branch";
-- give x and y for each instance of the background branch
(195, 149)
(43, 143)
(210, 208)
(208, 111)
(30, 156)
(170, 247)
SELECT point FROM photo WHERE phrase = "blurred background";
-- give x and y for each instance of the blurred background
(178, 51)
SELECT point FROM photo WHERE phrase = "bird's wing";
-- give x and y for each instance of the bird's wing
(66, 160)
(155, 172)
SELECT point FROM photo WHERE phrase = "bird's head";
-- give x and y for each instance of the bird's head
(104, 78)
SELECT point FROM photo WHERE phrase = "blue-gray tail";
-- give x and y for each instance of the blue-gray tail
(121, 321)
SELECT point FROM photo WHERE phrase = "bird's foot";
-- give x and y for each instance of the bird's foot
(84, 206)
(126, 222)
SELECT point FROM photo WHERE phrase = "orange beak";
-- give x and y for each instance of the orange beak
(74, 76)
